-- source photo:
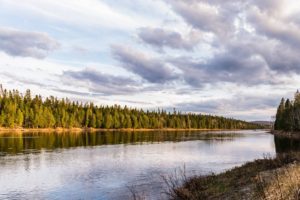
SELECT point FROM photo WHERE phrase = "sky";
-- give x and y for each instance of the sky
(233, 58)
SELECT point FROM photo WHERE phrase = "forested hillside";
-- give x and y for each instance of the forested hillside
(18, 110)
(288, 114)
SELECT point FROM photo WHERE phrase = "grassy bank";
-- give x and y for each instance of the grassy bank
(277, 178)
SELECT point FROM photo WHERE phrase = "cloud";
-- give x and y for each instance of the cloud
(158, 37)
(220, 17)
(100, 83)
(239, 105)
(22, 80)
(236, 64)
(26, 44)
(262, 47)
(151, 69)
(280, 57)
(272, 18)
(207, 16)
(272, 7)
(275, 28)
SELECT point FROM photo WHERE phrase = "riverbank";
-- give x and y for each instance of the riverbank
(277, 178)
(287, 134)
(3, 129)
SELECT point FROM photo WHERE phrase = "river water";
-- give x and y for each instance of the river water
(108, 165)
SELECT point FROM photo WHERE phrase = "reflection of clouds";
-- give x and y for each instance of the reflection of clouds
(97, 171)
(28, 176)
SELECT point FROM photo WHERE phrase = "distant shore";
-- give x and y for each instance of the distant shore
(20, 129)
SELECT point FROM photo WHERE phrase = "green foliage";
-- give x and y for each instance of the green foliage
(288, 114)
(24, 111)
(107, 120)
(19, 118)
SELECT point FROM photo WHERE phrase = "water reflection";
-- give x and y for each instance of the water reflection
(15, 143)
(103, 165)
(285, 145)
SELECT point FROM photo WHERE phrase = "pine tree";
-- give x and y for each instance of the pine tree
(108, 120)
(287, 116)
(279, 116)
(19, 118)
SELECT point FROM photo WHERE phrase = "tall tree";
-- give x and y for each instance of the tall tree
(279, 115)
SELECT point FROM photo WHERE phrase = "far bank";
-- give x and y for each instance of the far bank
(74, 130)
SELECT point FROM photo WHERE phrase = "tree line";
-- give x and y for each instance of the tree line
(288, 114)
(17, 110)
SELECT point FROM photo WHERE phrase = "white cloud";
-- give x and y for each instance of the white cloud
(81, 13)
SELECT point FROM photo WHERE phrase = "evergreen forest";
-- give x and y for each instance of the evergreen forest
(25, 111)
(288, 114)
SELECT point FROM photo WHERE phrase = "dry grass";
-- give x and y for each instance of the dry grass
(281, 184)
(243, 182)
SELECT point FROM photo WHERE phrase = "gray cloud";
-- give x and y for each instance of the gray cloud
(280, 57)
(237, 64)
(262, 55)
(233, 106)
(26, 44)
(165, 38)
(219, 16)
(272, 7)
(283, 30)
(99, 83)
(211, 16)
(150, 69)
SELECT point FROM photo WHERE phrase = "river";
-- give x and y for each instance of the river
(108, 165)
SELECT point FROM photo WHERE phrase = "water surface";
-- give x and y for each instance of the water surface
(104, 165)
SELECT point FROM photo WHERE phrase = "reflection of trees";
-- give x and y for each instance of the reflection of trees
(284, 144)
(13, 143)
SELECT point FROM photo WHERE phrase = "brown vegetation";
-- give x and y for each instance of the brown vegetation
(282, 183)
(254, 180)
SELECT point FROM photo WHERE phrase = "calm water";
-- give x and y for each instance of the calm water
(104, 165)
